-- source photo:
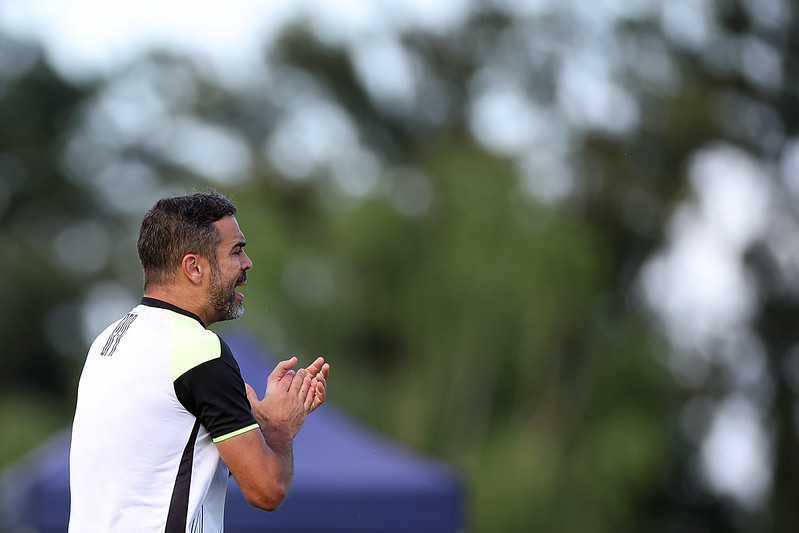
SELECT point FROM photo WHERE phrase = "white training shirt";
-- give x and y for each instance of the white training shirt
(157, 391)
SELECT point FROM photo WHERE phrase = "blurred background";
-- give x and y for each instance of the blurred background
(553, 243)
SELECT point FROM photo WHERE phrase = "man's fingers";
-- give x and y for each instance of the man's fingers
(281, 370)
(305, 389)
(324, 371)
(314, 402)
(284, 366)
(298, 381)
(318, 398)
(309, 384)
(316, 393)
(286, 380)
(316, 366)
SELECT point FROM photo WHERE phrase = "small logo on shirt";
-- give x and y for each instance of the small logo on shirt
(113, 339)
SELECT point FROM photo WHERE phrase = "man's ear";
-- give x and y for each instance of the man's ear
(193, 268)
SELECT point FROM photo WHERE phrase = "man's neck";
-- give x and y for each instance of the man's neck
(189, 302)
(160, 304)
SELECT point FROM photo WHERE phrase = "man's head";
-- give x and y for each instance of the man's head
(178, 226)
(197, 228)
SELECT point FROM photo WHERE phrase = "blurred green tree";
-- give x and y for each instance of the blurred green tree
(36, 203)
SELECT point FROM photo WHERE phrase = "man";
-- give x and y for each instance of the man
(163, 415)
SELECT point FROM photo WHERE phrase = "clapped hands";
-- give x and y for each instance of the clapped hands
(290, 395)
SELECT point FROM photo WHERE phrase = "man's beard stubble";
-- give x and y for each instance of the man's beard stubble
(223, 298)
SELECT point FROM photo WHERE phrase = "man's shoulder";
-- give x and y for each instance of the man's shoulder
(192, 345)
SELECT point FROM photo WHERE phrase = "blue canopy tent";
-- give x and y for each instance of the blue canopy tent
(347, 479)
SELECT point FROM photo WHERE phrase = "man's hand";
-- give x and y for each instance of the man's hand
(318, 370)
(285, 403)
(282, 384)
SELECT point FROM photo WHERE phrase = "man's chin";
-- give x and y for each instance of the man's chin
(230, 312)
(234, 313)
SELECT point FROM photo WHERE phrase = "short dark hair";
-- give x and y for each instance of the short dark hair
(177, 226)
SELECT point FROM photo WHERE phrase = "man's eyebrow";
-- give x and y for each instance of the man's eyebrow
(240, 244)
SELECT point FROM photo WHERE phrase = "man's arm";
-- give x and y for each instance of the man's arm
(262, 462)
(262, 470)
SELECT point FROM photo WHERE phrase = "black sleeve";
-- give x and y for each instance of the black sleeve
(214, 392)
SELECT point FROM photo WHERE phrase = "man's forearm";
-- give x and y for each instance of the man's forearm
(282, 447)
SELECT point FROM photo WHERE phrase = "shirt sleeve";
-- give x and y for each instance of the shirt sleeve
(214, 392)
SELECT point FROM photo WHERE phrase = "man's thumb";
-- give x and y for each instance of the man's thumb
(251, 396)
(282, 368)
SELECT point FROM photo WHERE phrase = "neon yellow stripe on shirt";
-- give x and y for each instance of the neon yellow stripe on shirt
(235, 433)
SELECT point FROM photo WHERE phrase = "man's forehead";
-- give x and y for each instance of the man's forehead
(229, 229)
